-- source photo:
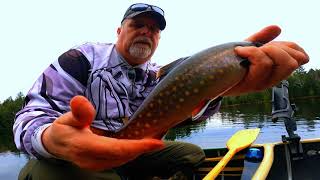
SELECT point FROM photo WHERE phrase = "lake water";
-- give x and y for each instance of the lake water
(212, 133)
(221, 126)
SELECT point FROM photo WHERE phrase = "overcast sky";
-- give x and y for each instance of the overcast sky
(35, 32)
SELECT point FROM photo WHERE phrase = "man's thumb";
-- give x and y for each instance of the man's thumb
(82, 112)
(265, 35)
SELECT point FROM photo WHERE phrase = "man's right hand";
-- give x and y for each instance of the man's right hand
(70, 138)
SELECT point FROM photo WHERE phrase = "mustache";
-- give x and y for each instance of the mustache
(143, 39)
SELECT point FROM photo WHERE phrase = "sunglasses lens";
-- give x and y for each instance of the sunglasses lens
(142, 7)
(158, 10)
(139, 7)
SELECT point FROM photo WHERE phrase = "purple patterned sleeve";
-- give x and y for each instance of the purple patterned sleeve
(46, 100)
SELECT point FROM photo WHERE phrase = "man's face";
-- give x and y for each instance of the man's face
(138, 38)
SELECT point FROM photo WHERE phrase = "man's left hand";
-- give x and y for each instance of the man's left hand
(270, 63)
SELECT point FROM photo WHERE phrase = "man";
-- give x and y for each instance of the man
(114, 80)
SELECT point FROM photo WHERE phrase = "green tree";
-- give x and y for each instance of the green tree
(302, 84)
(8, 109)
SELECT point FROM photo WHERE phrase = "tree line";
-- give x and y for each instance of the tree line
(302, 84)
(8, 109)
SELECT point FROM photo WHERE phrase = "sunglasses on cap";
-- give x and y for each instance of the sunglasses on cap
(143, 6)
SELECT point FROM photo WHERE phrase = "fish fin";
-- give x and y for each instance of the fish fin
(161, 134)
(199, 107)
(164, 70)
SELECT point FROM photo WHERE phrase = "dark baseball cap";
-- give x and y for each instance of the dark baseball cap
(142, 8)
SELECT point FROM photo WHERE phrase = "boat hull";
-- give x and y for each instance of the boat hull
(277, 163)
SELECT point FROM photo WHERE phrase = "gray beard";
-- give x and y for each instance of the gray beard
(139, 51)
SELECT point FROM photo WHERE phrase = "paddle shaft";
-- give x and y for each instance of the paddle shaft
(219, 167)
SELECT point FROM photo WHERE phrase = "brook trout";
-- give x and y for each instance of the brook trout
(205, 75)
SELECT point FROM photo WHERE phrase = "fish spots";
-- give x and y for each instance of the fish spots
(174, 88)
(197, 70)
(149, 114)
(147, 125)
(204, 73)
(138, 124)
(129, 127)
(151, 105)
(187, 93)
(125, 135)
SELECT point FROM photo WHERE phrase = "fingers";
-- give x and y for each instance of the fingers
(270, 64)
(260, 68)
(124, 148)
(295, 51)
(104, 152)
(265, 35)
(81, 115)
(132, 148)
(98, 164)
(283, 64)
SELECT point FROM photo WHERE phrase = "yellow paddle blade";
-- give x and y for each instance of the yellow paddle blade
(243, 139)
